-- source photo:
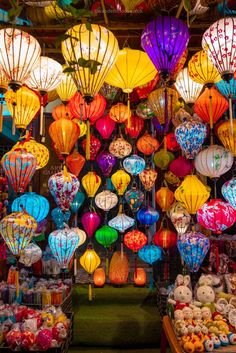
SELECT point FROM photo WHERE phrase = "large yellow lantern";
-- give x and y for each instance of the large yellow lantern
(227, 136)
(97, 47)
(192, 193)
(22, 105)
(120, 180)
(91, 182)
(66, 88)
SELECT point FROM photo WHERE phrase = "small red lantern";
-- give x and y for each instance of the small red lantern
(165, 238)
(135, 240)
(144, 90)
(75, 162)
(181, 167)
(136, 126)
(61, 111)
(105, 126)
(147, 144)
(95, 146)
(99, 277)
(171, 143)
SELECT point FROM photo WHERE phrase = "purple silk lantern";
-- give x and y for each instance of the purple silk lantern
(164, 40)
(106, 162)
(90, 221)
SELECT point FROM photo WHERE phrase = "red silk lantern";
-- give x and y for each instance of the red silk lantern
(171, 143)
(144, 90)
(75, 162)
(136, 126)
(135, 240)
(181, 167)
(147, 144)
(95, 146)
(64, 133)
(164, 197)
(61, 111)
(105, 126)
(165, 238)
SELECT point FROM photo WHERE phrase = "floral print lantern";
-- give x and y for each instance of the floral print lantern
(180, 217)
(148, 177)
(94, 147)
(31, 254)
(106, 200)
(144, 110)
(134, 164)
(229, 192)
(134, 198)
(150, 253)
(91, 182)
(135, 240)
(120, 148)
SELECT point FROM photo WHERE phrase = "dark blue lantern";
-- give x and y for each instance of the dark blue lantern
(35, 205)
(150, 253)
(147, 215)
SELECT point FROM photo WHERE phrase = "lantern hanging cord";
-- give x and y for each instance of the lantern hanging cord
(129, 113)
(231, 115)
(211, 120)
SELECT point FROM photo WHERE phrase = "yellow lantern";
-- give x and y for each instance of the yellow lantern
(164, 197)
(52, 96)
(91, 182)
(66, 88)
(130, 5)
(157, 98)
(97, 46)
(227, 138)
(201, 69)
(120, 180)
(82, 126)
(22, 105)
(192, 193)
(53, 11)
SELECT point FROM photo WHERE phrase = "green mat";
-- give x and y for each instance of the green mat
(117, 317)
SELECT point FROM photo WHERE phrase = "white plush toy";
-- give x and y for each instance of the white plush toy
(182, 293)
(205, 293)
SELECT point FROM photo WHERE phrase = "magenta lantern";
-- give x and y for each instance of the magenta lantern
(181, 167)
(95, 146)
(90, 221)
(105, 126)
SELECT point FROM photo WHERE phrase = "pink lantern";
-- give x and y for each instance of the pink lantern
(181, 167)
(95, 146)
(105, 126)
(90, 221)
(216, 215)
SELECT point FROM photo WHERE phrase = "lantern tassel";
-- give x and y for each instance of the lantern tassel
(1, 115)
(87, 152)
(107, 265)
(165, 148)
(231, 115)
(13, 128)
(90, 292)
(41, 123)
(129, 115)
(75, 266)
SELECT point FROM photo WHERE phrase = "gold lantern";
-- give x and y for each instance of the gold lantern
(120, 180)
(227, 136)
(91, 182)
(66, 88)
(64, 133)
(164, 197)
(82, 125)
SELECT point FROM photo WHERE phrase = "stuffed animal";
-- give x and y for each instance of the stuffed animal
(182, 293)
(205, 293)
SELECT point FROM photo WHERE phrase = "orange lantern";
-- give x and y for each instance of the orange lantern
(148, 177)
(119, 113)
(227, 138)
(147, 144)
(141, 277)
(165, 238)
(61, 111)
(99, 277)
(64, 133)
(75, 162)
(164, 197)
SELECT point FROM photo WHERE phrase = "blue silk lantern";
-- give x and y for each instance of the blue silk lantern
(60, 218)
(134, 164)
(150, 253)
(227, 88)
(63, 244)
(229, 192)
(35, 205)
(134, 198)
(147, 215)
(77, 202)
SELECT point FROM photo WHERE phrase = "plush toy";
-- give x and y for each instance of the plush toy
(205, 293)
(206, 313)
(188, 347)
(182, 293)
(208, 345)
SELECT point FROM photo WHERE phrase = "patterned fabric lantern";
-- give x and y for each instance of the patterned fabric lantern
(147, 215)
(105, 126)
(227, 88)
(135, 240)
(119, 113)
(147, 144)
(64, 133)
(77, 201)
(150, 253)
(81, 234)
(190, 136)
(66, 88)
(134, 198)
(136, 126)
(165, 39)
(94, 147)
(106, 200)
(227, 138)
(31, 254)
(106, 236)
(60, 218)
(121, 222)
(171, 143)
(108, 91)
(216, 215)
(214, 161)
(164, 197)
(144, 90)
(63, 187)
(144, 110)
(106, 162)
(163, 158)
(120, 179)
(188, 89)
(61, 111)
(182, 116)
(178, 67)
(180, 217)
(17, 229)
(19, 168)
(165, 238)
(90, 221)
(148, 177)
(120, 148)
(75, 162)
(35, 205)
(134, 164)
(229, 192)
(63, 243)
(192, 193)
(91, 182)
(181, 167)
(193, 247)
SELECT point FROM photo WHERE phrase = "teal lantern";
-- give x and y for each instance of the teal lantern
(134, 198)
(150, 253)
(77, 202)
(106, 236)
(134, 164)
(227, 88)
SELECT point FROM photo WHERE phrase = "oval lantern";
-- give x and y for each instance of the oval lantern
(119, 268)
(181, 167)
(90, 260)
(106, 162)
(61, 111)
(180, 217)
(188, 89)
(81, 234)
(119, 113)
(35, 205)
(214, 161)
(148, 177)
(95, 146)
(31, 254)
(150, 253)
(136, 126)
(90, 221)
(120, 179)
(164, 197)
(163, 158)
(147, 144)
(120, 148)
(105, 126)
(165, 238)
(227, 138)
(75, 162)
(19, 168)
(106, 200)
(229, 192)
(134, 164)
(121, 222)
(171, 143)
(91, 182)
(64, 133)
(216, 215)
(134, 198)
(147, 215)
(99, 277)
(106, 236)
(77, 201)
(135, 240)
(144, 110)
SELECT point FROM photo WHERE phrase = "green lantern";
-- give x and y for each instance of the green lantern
(163, 158)
(106, 236)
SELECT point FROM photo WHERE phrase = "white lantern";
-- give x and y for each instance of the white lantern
(106, 200)
(187, 88)
(19, 52)
(31, 254)
(121, 222)
(214, 161)
(179, 217)
(82, 235)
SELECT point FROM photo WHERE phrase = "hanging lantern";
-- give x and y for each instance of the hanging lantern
(147, 215)
(31, 254)
(106, 162)
(134, 164)
(147, 144)
(119, 113)
(188, 89)
(96, 45)
(150, 253)
(165, 39)
(63, 187)
(144, 110)
(17, 229)
(106, 200)
(171, 178)
(91, 182)
(90, 221)
(135, 240)
(182, 116)
(120, 148)
(136, 126)
(106, 236)
(171, 143)
(227, 88)
(192, 193)
(81, 234)
(82, 126)
(144, 90)
(19, 53)
(181, 167)
(178, 67)
(202, 70)
(94, 147)
(193, 247)
(134, 198)
(19, 168)
(180, 217)
(120, 179)
(105, 126)
(164, 197)
(63, 243)
(216, 215)
(108, 91)
(226, 136)
(165, 238)
(229, 192)
(22, 105)
(163, 158)
(190, 136)
(35, 205)
(75, 162)
(121, 222)
(66, 88)
(54, 12)
(214, 161)
(119, 268)
(51, 96)
(60, 218)
(61, 111)
(77, 201)
(90, 260)
(64, 133)
(148, 177)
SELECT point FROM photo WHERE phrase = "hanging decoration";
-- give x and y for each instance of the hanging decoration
(93, 148)
(119, 268)
(108, 91)
(172, 178)
(148, 177)
(75, 162)
(106, 236)
(180, 217)
(144, 110)
(66, 88)
(164, 198)
(134, 198)
(64, 134)
(120, 179)
(106, 200)
(134, 164)
(119, 113)
(106, 162)
(135, 240)
(163, 158)
(147, 144)
(31, 254)
(91, 182)
(136, 126)
(150, 253)
(120, 148)
(229, 192)
(147, 215)
(61, 111)
(90, 221)
(227, 89)
(60, 218)
(35, 205)
(181, 167)
(144, 90)
(121, 222)
(105, 126)
(77, 201)
(188, 89)
(225, 135)
(171, 143)
(81, 234)
(165, 238)
(182, 116)
(178, 67)
(90, 261)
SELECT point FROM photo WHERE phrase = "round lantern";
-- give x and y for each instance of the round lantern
(147, 215)
(63, 187)
(144, 110)
(226, 136)
(192, 193)
(64, 133)
(147, 144)
(216, 215)
(90, 221)
(179, 217)
(94, 147)
(91, 182)
(164, 197)
(181, 167)
(105, 126)
(120, 179)
(75, 162)
(66, 88)
(134, 164)
(163, 158)
(106, 200)
(214, 161)
(106, 236)
(60, 218)
(135, 240)
(136, 126)
(106, 162)
(119, 113)
(77, 201)
(99, 277)
(108, 91)
(90, 260)
(171, 143)
(165, 238)
(35, 205)
(31, 254)
(150, 253)
(19, 168)
(227, 89)
(229, 192)
(188, 89)
(61, 111)
(148, 177)
(120, 148)
(134, 198)
(193, 247)
(121, 222)
(140, 277)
